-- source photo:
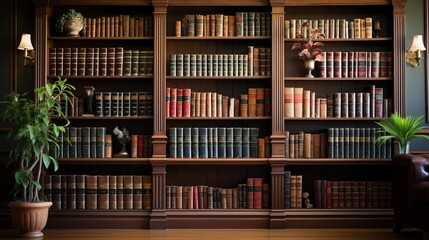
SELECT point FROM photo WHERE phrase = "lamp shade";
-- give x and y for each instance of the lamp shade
(25, 42)
(417, 43)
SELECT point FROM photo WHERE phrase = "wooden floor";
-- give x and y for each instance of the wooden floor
(221, 234)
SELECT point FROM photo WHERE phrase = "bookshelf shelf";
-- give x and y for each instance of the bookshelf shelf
(217, 161)
(219, 78)
(219, 118)
(338, 161)
(111, 118)
(218, 38)
(337, 79)
(87, 39)
(382, 39)
(133, 161)
(332, 119)
(104, 77)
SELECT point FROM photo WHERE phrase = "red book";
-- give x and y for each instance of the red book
(195, 197)
(250, 202)
(265, 195)
(267, 102)
(337, 64)
(375, 64)
(186, 102)
(322, 66)
(329, 64)
(383, 64)
(173, 102)
(344, 64)
(179, 102)
(167, 102)
(257, 193)
(362, 69)
(334, 194)
(140, 146)
(329, 194)
(350, 66)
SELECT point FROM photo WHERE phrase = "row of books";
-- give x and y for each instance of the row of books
(292, 190)
(305, 145)
(98, 192)
(304, 103)
(352, 194)
(103, 61)
(356, 65)
(185, 103)
(123, 104)
(220, 25)
(357, 143)
(93, 142)
(216, 142)
(254, 194)
(331, 28)
(119, 26)
(257, 62)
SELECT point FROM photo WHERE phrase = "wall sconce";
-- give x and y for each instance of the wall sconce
(29, 53)
(413, 56)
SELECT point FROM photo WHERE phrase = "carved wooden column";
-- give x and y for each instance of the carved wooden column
(277, 215)
(159, 138)
(158, 217)
(399, 56)
(40, 44)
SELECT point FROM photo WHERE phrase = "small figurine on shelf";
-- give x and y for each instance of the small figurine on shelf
(89, 101)
(123, 137)
(377, 28)
(306, 197)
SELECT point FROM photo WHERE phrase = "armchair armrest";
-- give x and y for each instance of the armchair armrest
(415, 166)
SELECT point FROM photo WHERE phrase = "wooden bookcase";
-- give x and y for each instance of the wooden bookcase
(286, 70)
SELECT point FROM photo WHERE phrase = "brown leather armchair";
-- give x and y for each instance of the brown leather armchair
(411, 191)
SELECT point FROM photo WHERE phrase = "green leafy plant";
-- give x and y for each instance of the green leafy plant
(35, 135)
(309, 49)
(69, 15)
(401, 129)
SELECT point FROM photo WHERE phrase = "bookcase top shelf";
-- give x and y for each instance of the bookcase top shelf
(338, 161)
(337, 79)
(104, 77)
(134, 161)
(111, 118)
(348, 212)
(103, 2)
(335, 2)
(343, 39)
(330, 119)
(219, 118)
(217, 161)
(219, 78)
(219, 38)
(76, 39)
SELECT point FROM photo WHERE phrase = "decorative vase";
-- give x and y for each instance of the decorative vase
(404, 148)
(30, 218)
(309, 66)
(73, 27)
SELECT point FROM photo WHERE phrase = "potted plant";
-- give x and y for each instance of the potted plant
(71, 21)
(309, 50)
(34, 135)
(401, 129)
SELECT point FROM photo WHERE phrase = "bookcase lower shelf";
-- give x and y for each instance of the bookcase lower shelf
(218, 218)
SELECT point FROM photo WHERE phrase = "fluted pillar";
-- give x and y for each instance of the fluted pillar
(399, 56)
(277, 215)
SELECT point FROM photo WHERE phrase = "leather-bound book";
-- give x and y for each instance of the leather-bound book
(91, 192)
(120, 192)
(102, 192)
(250, 190)
(128, 192)
(56, 191)
(147, 192)
(80, 192)
(112, 192)
(137, 192)
(71, 191)
(257, 193)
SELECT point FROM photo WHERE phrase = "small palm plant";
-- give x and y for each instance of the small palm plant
(401, 129)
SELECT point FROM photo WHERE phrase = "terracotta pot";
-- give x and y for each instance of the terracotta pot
(30, 218)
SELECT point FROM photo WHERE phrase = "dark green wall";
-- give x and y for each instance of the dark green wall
(415, 77)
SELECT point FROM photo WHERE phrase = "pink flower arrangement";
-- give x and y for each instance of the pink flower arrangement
(309, 49)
